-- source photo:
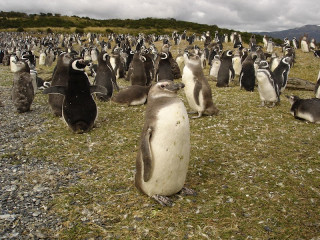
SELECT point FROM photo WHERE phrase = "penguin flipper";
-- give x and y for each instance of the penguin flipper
(98, 89)
(55, 90)
(146, 155)
(196, 91)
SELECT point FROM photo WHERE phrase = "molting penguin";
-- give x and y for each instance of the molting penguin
(214, 67)
(22, 92)
(197, 88)
(307, 109)
(163, 67)
(137, 74)
(268, 90)
(317, 87)
(164, 153)
(247, 75)
(281, 73)
(105, 76)
(79, 110)
(226, 71)
(60, 77)
(132, 95)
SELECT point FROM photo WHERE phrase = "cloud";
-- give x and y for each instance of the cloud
(250, 15)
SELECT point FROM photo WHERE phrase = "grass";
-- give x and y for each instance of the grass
(256, 171)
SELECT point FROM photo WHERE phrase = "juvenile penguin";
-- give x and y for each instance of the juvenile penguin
(304, 45)
(226, 71)
(307, 109)
(164, 153)
(163, 67)
(268, 91)
(105, 76)
(236, 63)
(59, 78)
(281, 73)
(214, 67)
(197, 89)
(132, 95)
(137, 74)
(79, 110)
(247, 75)
(317, 87)
(22, 92)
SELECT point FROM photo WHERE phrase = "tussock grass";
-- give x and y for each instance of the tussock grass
(256, 171)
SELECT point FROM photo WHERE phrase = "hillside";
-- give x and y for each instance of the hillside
(312, 31)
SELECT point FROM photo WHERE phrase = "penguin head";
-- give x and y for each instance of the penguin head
(165, 88)
(79, 64)
(292, 99)
(263, 64)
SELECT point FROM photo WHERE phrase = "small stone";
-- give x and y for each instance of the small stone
(8, 217)
(36, 213)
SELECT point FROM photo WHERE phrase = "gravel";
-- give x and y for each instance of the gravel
(27, 184)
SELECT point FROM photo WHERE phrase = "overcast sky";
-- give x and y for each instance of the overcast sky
(240, 15)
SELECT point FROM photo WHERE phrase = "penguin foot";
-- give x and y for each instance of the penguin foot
(187, 191)
(262, 104)
(163, 200)
(199, 115)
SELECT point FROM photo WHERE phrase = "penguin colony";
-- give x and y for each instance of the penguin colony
(152, 75)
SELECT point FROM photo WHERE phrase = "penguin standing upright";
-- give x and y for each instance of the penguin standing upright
(79, 110)
(22, 92)
(295, 43)
(247, 75)
(317, 87)
(164, 152)
(214, 67)
(59, 78)
(236, 63)
(163, 67)
(105, 76)
(307, 109)
(281, 73)
(304, 45)
(137, 74)
(226, 72)
(268, 90)
(270, 45)
(274, 61)
(197, 89)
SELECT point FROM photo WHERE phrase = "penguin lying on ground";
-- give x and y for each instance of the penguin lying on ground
(307, 109)
(79, 110)
(132, 95)
(164, 153)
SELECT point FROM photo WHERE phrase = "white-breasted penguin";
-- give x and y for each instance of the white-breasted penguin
(304, 45)
(214, 67)
(22, 92)
(164, 152)
(197, 89)
(236, 63)
(79, 109)
(268, 91)
(307, 109)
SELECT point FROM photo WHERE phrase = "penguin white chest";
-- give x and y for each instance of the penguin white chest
(265, 87)
(318, 93)
(215, 66)
(188, 80)
(170, 150)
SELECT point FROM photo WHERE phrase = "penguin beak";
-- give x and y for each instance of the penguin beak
(174, 87)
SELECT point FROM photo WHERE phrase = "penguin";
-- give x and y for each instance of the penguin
(226, 72)
(247, 75)
(137, 74)
(270, 46)
(265, 41)
(312, 45)
(22, 92)
(307, 109)
(163, 157)
(236, 63)
(304, 45)
(148, 66)
(79, 109)
(317, 87)
(15, 65)
(163, 67)
(295, 43)
(214, 67)
(105, 76)
(197, 89)
(180, 61)
(274, 61)
(42, 58)
(269, 92)
(59, 78)
(281, 73)
(132, 95)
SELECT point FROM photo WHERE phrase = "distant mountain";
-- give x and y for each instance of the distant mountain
(313, 31)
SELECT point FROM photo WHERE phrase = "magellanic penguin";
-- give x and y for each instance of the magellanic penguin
(132, 95)
(79, 110)
(247, 75)
(197, 89)
(22, 92)
(268, 91)
(59, 78)
(236, 63)
(226, 72)
(281, 73)
(164, 152)
(304, 45)
(307, 109)
(317, 87)
(105, 76)
(214, 67)
(136, 73)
